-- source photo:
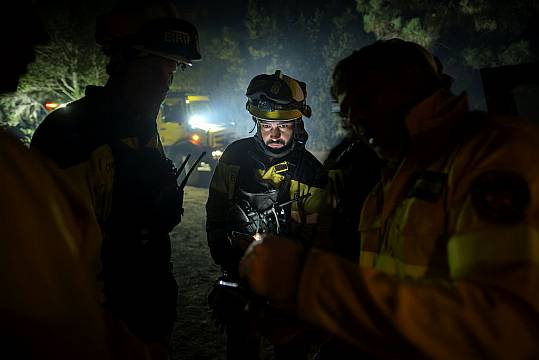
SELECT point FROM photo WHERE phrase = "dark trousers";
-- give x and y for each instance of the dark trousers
(244, 341)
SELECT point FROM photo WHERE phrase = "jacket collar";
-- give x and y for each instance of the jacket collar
(439, 111)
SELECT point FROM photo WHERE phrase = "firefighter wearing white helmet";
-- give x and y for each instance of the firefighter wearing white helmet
(265, 183)
(108, 146)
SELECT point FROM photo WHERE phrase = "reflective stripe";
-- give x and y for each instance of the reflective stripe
(390, 265)
(275, 114)
(273, 174)
(500, 245)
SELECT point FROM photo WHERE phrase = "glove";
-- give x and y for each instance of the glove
(239, 240)
(242, 219)
(227, 300)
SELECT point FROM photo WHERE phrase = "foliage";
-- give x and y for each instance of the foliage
(240, 39)
(21, 114)
(474, 33)
(63, 68)
(303, 42)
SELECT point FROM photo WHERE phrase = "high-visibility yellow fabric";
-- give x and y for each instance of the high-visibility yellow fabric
(437, 278)
(283, 115)
(491, 246)
(80, 140)
(224, 181)
(48, 303)
(237, 166)
(87, 165)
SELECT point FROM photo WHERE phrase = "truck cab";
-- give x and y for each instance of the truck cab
(189, 124)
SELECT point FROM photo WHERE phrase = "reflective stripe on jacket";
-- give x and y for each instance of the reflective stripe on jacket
(447, 269)
(77, 138)
(49, 301)
(237, 166)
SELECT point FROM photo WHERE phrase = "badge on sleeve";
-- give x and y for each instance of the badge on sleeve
(428, 185)
(500, 197)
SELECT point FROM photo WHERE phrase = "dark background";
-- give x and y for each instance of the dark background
(303, 38)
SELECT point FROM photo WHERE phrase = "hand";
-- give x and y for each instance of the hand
(240, 241)
(272, 265)
(227, 303)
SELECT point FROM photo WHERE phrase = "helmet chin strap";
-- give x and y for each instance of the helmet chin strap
(274, 153)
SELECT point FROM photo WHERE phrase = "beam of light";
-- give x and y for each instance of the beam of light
(200, 122)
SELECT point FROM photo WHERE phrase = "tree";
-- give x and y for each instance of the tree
(473, 33)
(305, 43)
(62, 70)
(466, 35)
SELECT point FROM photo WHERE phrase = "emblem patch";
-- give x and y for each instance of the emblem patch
(281, 167)
(501, 197)
(428, 185)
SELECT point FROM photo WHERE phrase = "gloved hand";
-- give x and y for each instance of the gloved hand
(241, 218)
(272, 266)
(227, 300)
(239, 240)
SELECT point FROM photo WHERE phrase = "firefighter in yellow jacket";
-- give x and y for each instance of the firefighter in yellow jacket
(48, 302)
(108, 146)
(448, 264)
(265, 183)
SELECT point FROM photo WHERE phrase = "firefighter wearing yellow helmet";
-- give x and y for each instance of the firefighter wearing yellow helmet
(449, 237)
(265, 183)
(108, 146)
(278, 99)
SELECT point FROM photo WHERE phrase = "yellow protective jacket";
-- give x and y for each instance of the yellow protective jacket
(48, 303)
(244, 166)
(450, 245)
(116, 163)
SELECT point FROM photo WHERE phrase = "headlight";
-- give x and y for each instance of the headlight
(216, 154)
(198, 122)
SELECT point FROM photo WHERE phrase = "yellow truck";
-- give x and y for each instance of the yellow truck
(189, 124)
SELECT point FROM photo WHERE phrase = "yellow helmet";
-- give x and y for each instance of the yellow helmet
(277, 97)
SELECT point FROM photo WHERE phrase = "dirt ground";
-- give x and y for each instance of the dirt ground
(195, 337)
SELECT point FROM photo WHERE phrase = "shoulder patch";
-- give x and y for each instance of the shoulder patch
(501, 197)
(428, 185)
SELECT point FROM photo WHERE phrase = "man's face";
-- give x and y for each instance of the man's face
(372, 108)
(147, 81)
(276, 134)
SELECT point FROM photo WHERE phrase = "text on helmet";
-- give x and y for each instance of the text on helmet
(176, 37)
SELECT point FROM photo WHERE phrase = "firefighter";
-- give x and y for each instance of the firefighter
(108, 146)
(253, 178)
(346, 178)
(448, 261)
(48, 306)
